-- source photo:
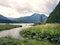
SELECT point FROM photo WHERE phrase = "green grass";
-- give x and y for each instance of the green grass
(7, 27)
(12, 41)
(8, 41)
(37, 35)
(50, 32)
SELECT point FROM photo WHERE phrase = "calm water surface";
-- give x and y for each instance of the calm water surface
(14, 32)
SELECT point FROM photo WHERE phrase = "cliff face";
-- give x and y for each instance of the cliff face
(55, 15)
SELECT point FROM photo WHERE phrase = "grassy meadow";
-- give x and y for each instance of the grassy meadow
(49, 32)
(8, 26)
(45, 34)
(12, 41)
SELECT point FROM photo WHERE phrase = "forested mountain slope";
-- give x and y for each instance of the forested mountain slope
(55, 15)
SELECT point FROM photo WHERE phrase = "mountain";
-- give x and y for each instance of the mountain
(4, 19)
(55, 15)
(32, 19)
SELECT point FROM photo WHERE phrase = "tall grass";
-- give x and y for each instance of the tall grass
(50, 32)
(12, 41)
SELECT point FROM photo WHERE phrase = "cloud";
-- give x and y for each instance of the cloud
(27, 7)
(4, 3)
(40, 6)
(50, 6)
(8, 12)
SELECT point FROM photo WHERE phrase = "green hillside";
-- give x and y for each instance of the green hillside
(55, 15)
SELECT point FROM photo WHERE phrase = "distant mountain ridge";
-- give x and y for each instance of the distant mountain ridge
(4, 19)
(31, 19)
(27, 19)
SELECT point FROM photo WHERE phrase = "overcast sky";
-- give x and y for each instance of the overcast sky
(19, 8)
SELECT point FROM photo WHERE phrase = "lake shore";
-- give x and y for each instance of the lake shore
(14, 32)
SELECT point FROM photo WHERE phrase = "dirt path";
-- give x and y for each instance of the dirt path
(13, 32)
